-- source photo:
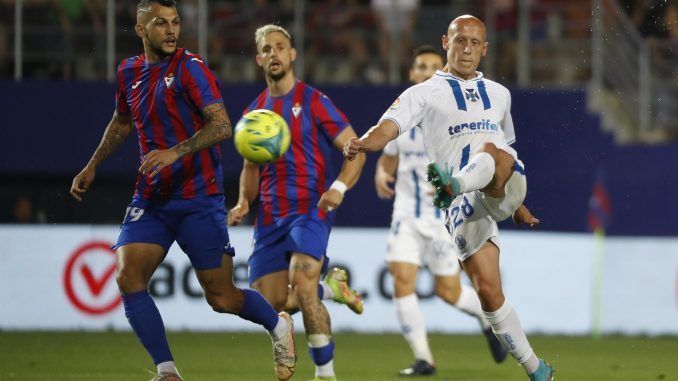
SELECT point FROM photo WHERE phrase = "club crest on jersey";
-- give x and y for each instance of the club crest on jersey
(296, 109)
(460, 241)
(395, 105)
(471, 95)
(169, 80)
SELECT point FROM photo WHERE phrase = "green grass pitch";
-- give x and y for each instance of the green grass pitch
(359, 357)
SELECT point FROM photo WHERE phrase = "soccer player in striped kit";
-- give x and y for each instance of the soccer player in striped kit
(467, 128)
(174, 102)
(298, 198)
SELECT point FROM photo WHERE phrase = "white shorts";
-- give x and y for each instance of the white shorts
(472, 217)
(422, 242)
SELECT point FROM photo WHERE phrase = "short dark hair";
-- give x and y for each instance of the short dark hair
(144, 5)
(425, 49)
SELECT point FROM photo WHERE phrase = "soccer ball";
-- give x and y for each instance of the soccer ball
(262, 136)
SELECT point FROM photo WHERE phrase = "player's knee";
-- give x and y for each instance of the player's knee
(490, 148)
(129, 281)
(490, 294)
(448, 292)
(307, 294)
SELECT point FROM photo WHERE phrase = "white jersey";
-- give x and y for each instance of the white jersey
(456, 117)
(413, 193)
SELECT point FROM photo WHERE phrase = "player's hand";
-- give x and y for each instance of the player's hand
(523, 216)
(81, 182)
(352, 148)
(330, 200)
(381, 182)
(156, 160)
(236, 214)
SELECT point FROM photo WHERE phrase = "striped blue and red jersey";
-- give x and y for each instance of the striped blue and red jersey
(164, 100)
(293, 184)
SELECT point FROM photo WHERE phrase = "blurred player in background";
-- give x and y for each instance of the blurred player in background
(174, 102)
(418, 235)
(297, 199)
(466, 124)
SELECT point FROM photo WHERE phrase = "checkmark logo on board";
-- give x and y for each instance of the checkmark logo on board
(96, 284)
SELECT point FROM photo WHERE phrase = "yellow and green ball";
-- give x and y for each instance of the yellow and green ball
(261, 136)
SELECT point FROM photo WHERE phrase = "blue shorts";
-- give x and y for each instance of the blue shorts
(274, 244)
(198, 225)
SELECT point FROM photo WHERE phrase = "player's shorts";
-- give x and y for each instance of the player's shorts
(422, 242)
(472, 217)
(274, 244)
(198, 225)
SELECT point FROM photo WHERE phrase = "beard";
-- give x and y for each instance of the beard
(159, 51)
(278, 75)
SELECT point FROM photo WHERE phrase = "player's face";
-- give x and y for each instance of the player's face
(276, 56)
(160, 29)
(424, 66)
(465, 45)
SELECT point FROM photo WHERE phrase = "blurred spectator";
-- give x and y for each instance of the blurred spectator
(394, 17)
(338, 31)
(188, 12)
(22, 211)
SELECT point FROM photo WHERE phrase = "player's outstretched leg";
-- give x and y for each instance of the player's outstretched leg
(464, 298)
(337, 280)
(483, 270)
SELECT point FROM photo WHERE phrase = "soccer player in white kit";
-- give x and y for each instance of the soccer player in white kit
(418, 235)
(466, 124)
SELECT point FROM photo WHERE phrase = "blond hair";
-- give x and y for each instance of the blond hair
(265, 30)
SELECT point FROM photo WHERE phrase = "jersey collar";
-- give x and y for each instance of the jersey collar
(478, 77)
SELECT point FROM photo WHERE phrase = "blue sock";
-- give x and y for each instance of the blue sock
(322, 355)
(257, 310)
(321, 291)
(146, 322)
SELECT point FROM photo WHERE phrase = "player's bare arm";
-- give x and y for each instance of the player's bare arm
(374, 139)
(523, 216)
(249, 187)
(384, 175)
(348, 176)
(117, 130)
(217, 127)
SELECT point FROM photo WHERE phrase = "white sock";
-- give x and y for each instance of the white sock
(506, 327)
(477, 173)
(468, 302)
(280, 328)
(317, 341)
(413, 326)
(327, 291)
(168, 367)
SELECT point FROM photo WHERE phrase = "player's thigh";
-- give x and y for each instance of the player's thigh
(404, 276)
(305, 272)
(439, 255)
(405, 243)
(274, 287)
(136, 263)
(202, 232)
(470, 225)
(145, 222)
(515, 191)
(270, 254)
(482, 269)
(308, 238)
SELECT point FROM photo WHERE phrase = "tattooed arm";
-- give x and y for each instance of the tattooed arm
(118, 129)
(217, 128)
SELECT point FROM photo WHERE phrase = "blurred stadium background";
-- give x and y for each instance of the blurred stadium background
(595, 104)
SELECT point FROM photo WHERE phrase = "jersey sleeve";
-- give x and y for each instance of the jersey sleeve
(507, 123)
(201, 85)
(407, 109)
(121, 106)
(391, 148)
(330, 119)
